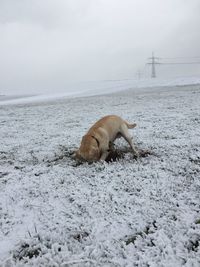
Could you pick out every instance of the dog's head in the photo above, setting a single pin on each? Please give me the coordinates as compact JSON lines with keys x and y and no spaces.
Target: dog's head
{"x":89,"y":150}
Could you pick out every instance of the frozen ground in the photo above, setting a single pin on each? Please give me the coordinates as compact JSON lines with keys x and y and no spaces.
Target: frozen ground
{"x":92,"y":88}
{"x":55,"y":212}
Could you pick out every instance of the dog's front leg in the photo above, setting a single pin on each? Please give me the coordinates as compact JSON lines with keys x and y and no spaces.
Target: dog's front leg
{"x":111,"y":146}
{"x":104,"y":155}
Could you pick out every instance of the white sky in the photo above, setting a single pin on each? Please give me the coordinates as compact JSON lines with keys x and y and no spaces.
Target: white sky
{"x":45,"y":44}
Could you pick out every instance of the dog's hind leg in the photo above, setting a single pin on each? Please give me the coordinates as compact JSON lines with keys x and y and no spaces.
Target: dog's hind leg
{"x":124,"y":132}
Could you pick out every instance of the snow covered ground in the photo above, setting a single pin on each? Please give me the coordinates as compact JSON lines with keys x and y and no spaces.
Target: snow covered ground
{"x":92,"y":88}
{"x":55,"y":212}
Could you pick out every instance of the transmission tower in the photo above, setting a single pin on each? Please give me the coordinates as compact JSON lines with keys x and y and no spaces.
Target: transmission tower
{"x":139,"y":74}
{"x":153,"y":62}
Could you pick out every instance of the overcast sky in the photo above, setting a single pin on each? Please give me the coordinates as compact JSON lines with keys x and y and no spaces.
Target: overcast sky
{"x":45,"y":44}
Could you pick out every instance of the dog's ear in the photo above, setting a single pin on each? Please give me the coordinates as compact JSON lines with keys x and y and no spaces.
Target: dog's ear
{"x":98,"y":153}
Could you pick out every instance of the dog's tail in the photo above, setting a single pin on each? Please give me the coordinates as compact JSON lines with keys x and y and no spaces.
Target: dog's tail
{"x":130,"y":126}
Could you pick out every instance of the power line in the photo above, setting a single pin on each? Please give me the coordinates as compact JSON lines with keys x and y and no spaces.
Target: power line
{"x":154,"y":61}
{"x":171,"y":58}
{"x":179,"y":63}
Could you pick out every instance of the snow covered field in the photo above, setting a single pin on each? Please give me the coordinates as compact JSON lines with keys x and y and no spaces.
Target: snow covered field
{"x":55,"y":212}
{"x":91,"y":88}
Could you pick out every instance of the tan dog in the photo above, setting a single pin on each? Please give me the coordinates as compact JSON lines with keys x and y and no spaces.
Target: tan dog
{"x":95,"y":145}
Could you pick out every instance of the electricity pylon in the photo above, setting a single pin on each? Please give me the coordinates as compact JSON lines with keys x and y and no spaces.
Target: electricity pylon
{"x":139,"y":74}
{"x":153,"y":62}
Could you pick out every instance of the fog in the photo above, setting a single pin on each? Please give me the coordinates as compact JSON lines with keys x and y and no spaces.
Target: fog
{"x":46,"y":45}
